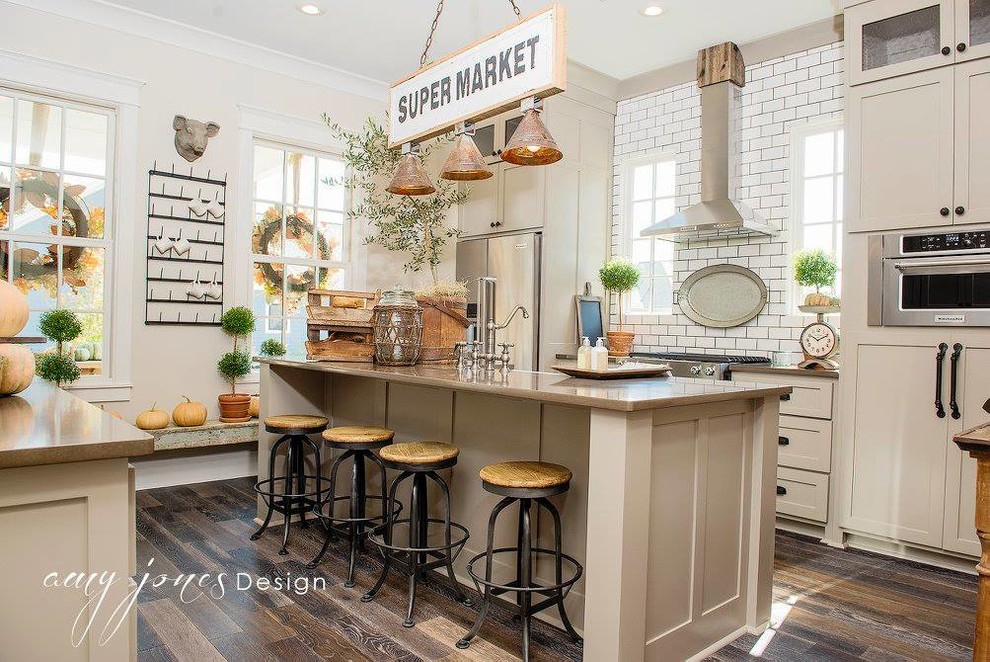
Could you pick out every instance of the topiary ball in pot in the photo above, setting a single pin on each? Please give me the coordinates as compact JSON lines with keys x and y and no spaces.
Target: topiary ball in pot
{"x":619,"y":276}
{"x":272,"y":347}
{"x":238,"y":323}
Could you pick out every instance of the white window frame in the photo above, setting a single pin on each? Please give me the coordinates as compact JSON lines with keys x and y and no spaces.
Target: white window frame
{"x":798,"y":136}
{"x":626,"y":168}
{"x":259,"y":125}
{"x":70,"y":83}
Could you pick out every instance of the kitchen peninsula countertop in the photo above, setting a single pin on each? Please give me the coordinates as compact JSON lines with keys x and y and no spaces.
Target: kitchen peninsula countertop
{"x":46,"y":425}
{"x":618,"y":395}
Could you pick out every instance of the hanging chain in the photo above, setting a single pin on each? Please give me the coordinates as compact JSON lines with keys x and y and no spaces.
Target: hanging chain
{"x":436,"y":22}
{"x":429,"y":40}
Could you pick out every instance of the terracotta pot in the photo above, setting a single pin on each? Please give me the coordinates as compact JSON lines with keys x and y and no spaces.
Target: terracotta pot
{"x":234,"y":407}
{"x":620,"y":342}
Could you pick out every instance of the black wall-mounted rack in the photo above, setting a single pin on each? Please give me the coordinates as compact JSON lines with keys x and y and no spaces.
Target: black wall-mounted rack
{"x":168,"y":274}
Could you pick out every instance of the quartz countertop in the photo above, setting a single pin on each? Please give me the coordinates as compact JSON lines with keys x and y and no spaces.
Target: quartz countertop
{"x":46,"y":425}
{"x":619,"y":394}
{"x":767,"y":369}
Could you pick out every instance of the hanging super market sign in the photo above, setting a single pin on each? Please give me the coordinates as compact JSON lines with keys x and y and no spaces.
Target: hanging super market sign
{"x":489,"y":77}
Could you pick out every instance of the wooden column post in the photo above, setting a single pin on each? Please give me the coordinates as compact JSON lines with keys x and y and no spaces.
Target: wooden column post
{"x":977,"y":443}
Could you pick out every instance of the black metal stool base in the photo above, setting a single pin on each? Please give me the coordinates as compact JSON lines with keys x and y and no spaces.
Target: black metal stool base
{"x":418,"y":557}
{"x":523,"y":586}
{"x":294,"y":498}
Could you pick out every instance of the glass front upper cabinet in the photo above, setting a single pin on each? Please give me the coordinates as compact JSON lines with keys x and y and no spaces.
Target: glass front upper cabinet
{"x":893,"y":37}
{"x":972,"y":29}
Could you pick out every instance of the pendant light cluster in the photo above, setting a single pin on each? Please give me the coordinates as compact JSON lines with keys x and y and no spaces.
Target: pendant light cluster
{"x":530,"y":145}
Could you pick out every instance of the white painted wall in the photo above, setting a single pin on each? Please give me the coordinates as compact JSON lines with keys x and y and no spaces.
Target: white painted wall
{"x":779,"y":94}
{"x":171,"y":361}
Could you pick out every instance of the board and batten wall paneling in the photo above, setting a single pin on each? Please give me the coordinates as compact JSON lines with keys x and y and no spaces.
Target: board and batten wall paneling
{"x":780,"y":93}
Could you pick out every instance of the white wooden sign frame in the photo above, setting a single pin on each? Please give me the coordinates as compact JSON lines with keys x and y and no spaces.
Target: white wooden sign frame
{"x":486,"y":78}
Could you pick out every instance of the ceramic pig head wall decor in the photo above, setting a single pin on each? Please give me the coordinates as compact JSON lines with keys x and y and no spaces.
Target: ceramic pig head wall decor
{"x":191,"y":136}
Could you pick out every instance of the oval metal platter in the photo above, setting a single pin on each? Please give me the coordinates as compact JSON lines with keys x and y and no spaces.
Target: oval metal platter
{"x":722,"y":295}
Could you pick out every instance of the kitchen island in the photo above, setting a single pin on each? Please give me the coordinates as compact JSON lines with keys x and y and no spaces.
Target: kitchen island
{"x":66,"y":506}
{"x":671,"y":508}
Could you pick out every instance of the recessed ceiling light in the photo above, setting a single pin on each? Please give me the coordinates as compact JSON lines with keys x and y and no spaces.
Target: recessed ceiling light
{"x":310,"y":9}
{"x":651,"y":10}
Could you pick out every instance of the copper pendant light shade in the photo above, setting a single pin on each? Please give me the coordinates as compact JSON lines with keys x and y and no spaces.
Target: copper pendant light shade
{"x":531,"y":144}
{"x":411,"y":178}
{"x":465,"y":163}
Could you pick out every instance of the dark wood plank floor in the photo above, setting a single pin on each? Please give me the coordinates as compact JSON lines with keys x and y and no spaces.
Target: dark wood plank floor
{"x":829,"y":604}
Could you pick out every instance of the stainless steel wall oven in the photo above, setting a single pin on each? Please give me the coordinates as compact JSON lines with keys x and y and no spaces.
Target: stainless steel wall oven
{"x":937,"y":279}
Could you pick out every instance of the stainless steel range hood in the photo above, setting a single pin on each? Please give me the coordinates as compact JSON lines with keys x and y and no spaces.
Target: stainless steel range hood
{"x":718,"y":214}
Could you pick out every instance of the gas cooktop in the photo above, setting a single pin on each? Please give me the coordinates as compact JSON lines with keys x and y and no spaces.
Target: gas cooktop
{"x":715,"y":366}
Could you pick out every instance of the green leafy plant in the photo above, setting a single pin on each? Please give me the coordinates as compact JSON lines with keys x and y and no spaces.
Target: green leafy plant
{"x":619,"y":276}
{"x":62,"y":326}
{"x":815,"y":268}
{"x":416,"y":225}
{"x":238,"y":323}
{"x":272,"y":347}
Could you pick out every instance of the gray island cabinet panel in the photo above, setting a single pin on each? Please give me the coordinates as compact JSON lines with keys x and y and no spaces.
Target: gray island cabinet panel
{"x":670,"y":510}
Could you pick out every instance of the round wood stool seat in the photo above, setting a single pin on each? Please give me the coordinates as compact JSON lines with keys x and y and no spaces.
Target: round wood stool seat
{"x":525,"y":479}
{"x":420,"y":455}
{"x":358,"y":437}
{"x":296,"y":424}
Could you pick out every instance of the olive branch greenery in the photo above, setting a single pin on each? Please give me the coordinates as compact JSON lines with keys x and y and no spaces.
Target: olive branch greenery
{"x":415,"y":225}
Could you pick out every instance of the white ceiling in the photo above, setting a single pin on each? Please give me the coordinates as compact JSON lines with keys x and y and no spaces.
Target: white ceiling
{"x":383,"y":39}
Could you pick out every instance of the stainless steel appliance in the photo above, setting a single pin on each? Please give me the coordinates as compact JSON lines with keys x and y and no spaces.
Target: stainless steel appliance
{"x":713,"y":366}
{"x":930,"y":279}
{"x":514,"y":261}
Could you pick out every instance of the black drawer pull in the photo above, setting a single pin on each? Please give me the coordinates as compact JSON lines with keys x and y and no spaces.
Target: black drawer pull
{"x":946,"y":50}
{"x":783,"y":441}
{"x":786,"y":397}
{"x":945,"y":211}
{"x":781,"y":490}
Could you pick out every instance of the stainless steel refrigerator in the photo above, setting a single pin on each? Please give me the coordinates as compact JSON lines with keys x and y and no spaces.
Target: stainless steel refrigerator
{"x":514,"y":261}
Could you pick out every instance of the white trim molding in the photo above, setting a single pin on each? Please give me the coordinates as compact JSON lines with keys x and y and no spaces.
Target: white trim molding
{"x":48,"y":76}
{"x":148,"y":26}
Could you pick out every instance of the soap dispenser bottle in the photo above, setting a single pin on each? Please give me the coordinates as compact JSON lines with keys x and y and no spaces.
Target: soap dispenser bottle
{"x":584,"y":353}
{"x":599,"y":356}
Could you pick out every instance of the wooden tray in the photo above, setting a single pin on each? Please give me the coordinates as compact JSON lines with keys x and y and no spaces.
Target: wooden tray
{"x":627,"y":371}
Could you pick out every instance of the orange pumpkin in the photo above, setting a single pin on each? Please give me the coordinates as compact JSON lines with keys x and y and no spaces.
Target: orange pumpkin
{"x":254,"y":409}
{"x":152,"y":419}
{"x":17,"y":370}
{"x":13,"y":310}
{"x":189,"y":413}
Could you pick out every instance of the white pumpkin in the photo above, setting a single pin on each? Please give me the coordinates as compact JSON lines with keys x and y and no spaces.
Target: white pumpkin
{"x":13,"y":310}
{"x":18,"y":369}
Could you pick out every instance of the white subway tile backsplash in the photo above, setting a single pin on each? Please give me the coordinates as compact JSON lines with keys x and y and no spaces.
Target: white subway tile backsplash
{"x":781,"y":93}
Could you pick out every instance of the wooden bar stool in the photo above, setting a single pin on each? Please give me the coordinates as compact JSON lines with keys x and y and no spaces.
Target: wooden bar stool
{"x":357,"y":442}
{"x":419,"y":460}
{"x":525,"y":482}
{"x":295,"y":496}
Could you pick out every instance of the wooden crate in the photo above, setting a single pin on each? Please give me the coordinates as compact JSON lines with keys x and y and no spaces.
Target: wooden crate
{"x":338,"y":326}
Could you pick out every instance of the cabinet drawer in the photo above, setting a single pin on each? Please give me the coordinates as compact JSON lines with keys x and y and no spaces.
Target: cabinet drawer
{"x":814,"y":400}
{"x":805,"y":443}
{"x":802,"y":494}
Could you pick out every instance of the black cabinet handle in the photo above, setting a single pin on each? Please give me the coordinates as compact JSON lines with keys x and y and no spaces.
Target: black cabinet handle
{"x":960,"y":210}
{"x":785,"y":397}
{"x":945,"y":211}
{"x":946,"y":50}
{"x":492,"y":224}
{"x":781,"y":490}
{"x":939,"y":358}
{"x":498,"y":224}
{"x":953,"y":371}
{"x":961,"y":47}
{"x":783,"y":441}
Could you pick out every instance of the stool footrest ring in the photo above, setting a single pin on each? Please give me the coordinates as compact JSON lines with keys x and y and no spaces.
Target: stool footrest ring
{"x":564,"y":587}
{"x":266,"y":488}
{"x":453,"y":549}
{"x":340,"y":521}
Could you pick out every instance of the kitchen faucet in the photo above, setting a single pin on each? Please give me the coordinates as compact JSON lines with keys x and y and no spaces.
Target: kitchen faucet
{"x":482,"y":351}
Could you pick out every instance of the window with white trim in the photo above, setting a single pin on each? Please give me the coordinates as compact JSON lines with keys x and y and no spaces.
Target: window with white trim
{"x":56,"y":218}
{"x":298,"y":237}
{"x":816,"y":177}
{"x":650,"y":191}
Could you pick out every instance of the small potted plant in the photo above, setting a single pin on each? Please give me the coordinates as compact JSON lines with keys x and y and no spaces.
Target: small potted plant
{"x":59,"y":366}
{"x":619,"y":276}
{"x":817,"y":269}
{"x":273,"y":348}
{"x":238,"y":323}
